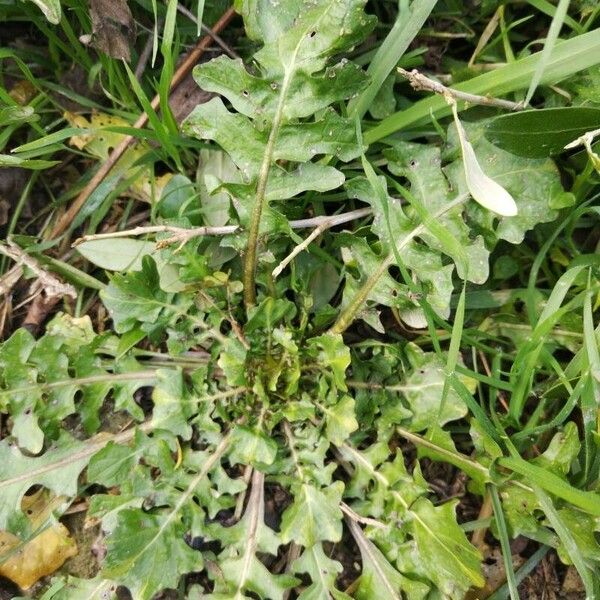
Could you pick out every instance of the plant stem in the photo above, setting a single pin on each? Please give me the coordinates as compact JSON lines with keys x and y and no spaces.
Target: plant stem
{"x":259,"y":201}
{"x":349,"y":314}
{"x":54,"y":287}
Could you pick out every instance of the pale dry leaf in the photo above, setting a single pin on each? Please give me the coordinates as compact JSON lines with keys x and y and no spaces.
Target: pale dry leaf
{"x":484,"y":190}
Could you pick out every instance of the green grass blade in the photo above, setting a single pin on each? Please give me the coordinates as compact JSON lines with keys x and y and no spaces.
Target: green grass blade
{"x":549,"y":9}
{"x":504,"y":542}
{"x":167,"y":49}
{"x":200,"y":15}
{"x":525,"y":362}
{"x":50,"y":139}
{"x":153,"y":118}
{"x":555,"y":27}
{"x":390,"y":52}
{"x":591,"y":391}
{"x":588,"y":501}
{"x":453,"y":354}
{"x":568,"y":541}
{"x":567,"y":57}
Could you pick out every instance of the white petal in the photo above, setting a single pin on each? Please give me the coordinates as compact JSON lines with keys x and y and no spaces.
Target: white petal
{"x":484,"y":189}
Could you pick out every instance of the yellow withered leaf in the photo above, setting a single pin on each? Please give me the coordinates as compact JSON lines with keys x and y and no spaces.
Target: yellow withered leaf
{"x":100,"y":142}
{"x":42,"y":555}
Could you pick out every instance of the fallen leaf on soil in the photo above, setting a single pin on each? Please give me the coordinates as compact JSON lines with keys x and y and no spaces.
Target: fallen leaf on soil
{"x":185,"y":97}
{"x":38,"y":311}
{"x":42,"y":555}
{"x":113,"y":28}
{"x":100,"y":142}
{"x":23,"y":92}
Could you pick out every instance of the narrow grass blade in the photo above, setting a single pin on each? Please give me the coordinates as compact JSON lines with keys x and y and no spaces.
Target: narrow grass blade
{"x":568,"y":541}
{"x":555,"y":27}
{"x":567,"y":57}
{"x":549,"y":9}
{"x":200,"y":15}
{"x":153,"y":118}
{"x":524,"y":365}
{"x":390,"y":52}
{"x":453,"y":354}
{"x":50,"y":139}
{"x":591,"y":391}
{"x":504,"y":542}
{"x":168,"y":49}
{"x":587,"y":501}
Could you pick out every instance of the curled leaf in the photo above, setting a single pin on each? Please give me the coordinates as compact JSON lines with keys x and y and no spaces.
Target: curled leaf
{"x":484,"y":189}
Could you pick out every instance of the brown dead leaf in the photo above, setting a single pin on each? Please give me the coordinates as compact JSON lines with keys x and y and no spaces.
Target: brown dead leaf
{"x":572,"y":583}
{"x":495,"y":574}
{"x":4,"y":211}
{"x":42,"y":555}
{"x":23,"y":92}
{"x":185,"y":97}
{"x":39,"y":309}
{"x":12,"y":182}
{"x":113,"y":28}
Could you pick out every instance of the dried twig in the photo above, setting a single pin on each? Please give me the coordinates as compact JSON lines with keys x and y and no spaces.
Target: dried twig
{"x":54,"y":289}
{"x":53,"y":286}
{"x":182,"y":235}
{"x":485,"y":512}
{"x":359,"y":518}
{"x":208,"y":31}
{"x":585,"y":140}
{"x":290,"y":557}
{"x":486,"y":35}
{"x":421,"y":82}
{"x":9,"y":279}
{"x":324,"y":225}
{"x":183,"y":69}
{"x":239,"y":506}
{"x":144,"y":57}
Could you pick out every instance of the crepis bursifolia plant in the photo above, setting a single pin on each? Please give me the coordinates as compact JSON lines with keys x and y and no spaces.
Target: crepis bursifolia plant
{"x":276,"y":446}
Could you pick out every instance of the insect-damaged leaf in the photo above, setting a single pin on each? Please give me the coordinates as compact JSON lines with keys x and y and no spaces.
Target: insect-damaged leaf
{"x":57,"y":469}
